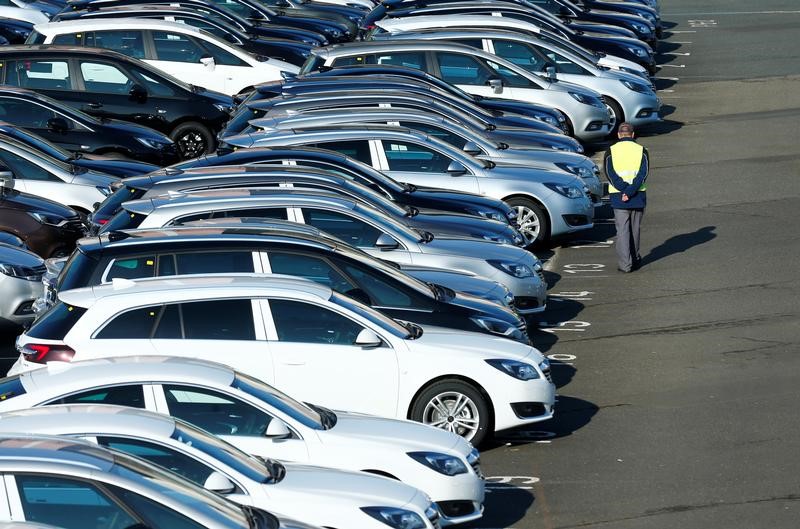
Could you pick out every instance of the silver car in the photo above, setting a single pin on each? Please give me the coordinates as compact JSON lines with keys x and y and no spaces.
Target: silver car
{"x":356,"y":224}
{"x":20,"y":283}
{"x":75,"y":484}
{"x":629,"y":97}
{"x":548,"y":203}
{"x":459,"y":136}
{"x":480,"y":73}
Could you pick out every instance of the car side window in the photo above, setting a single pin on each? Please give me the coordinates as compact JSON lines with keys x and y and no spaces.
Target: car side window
{"x":311,"y":267}
{"x":152,"y":513}
{"x":222,"y":56}
{"x":565,"y":65}
{"x":511,"y":78}
{"x":457,"y":68}
{"x":215,"y":262}
{"x":409,"y":59}
{"x":412,"y":157}
{"x":126,"y":42}
{"x":300,"y":322}
{"x":47,"y":498}
{"x":215,"y":412}
{"x":520,"y":54}
{"x":358,"y":149}
{"x":24,"y":113}
{"x":67,"y":39}
{"x":135,"y":324}
{"x":350,"y":229}
{"x":131,"y":396}
{"x":278,"y":213}
{"x":163,"y":456}
{"x":349,"y":61}
{"x":472,"y":43}
{"x":131,"y":268}
{"x":105,"y":78}
{"x":154,"y":86}
{"x":26,"y":169}
{"x":383,"y":293}
{"x":438,"y":132}
{"x":176,"y":47}
{"x":223,"y":319}
{"x":39,"y":74}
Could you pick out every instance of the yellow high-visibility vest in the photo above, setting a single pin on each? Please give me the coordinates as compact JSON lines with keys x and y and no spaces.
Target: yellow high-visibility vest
{"x":626,"y":159}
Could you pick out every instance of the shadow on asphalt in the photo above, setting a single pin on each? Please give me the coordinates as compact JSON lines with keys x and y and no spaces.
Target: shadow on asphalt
{"x":679,"y":244}
{"x":571,"y":414}
{"x":505,"y":505}
{"x":665,"y":47}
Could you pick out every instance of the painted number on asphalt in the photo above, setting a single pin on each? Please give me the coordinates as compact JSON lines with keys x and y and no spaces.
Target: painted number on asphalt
{"x":561,"y":359}
{"x":702,"y":23}
{"x":572,"y":325}
{"x":583,"y":268}
{"x":583,"y":295}
{"x":495,"y":483}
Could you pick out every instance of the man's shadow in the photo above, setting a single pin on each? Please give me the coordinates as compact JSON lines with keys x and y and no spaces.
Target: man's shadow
{"x":680,"y":243}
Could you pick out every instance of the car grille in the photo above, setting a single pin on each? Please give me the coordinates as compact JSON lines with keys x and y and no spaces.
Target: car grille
{"x":476,"y":466}
{"x":456,"y":508}
{"x":548,"y":375}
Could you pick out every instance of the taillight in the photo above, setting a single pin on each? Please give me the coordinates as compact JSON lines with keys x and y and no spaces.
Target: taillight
{"x":101,"y":221}
{"x":41,"y":353}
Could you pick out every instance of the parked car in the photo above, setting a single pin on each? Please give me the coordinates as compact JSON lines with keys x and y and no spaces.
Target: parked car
{"x":38,"y":174}
{"x":47,"y":228}
{"x":186,"y":52}
{"x":15,"y":31}
{"x":20,"y":283}
{"x":54,"y":476}
{"x":250,"y":248}
{"x":13,"y":11}
{"x":403,"y":193}
{"x":358,"y":225}
{"x":346,"y":499}
{"x":451,"y":473}
{"x":467,"y":383}
{"x":70,"y":128}
{"x":109,"y":85}
{"x":477,"y":72}
{"x":78,"y":162}
{"x":650,"y":13}
{"x":548,"y":203}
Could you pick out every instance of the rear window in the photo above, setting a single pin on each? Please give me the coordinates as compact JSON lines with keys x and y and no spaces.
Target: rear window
{"x":312,"y":64}
{"x":56,"y":322}
{"x":112,"y":204}
{"x":35,"y":38}
{"x":124,"y":220}
{"x":77,"y":271}
{"x":10,"y":387}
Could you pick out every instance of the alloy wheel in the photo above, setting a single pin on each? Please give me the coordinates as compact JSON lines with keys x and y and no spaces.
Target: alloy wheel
{"x":191,"y":145}
{"x":453,"y":411}
{"x":529,"y":224}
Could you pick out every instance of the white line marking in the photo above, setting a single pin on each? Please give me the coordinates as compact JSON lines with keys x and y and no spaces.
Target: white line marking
{"x":668,"y":78}
{"x":672,"y":66}
{"x":684,"y":31}
{"x":676,"y":53}
{"x":784,"y":12}
{"x":666,"y":91}
{"x":680,"y":42}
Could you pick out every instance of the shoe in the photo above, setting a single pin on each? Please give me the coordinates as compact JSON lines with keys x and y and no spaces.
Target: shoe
{"x":637,"y":264}
{"x":624,"y":271}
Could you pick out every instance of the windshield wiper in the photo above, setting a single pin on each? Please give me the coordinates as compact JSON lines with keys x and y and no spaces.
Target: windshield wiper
{"x":426,"y":235}
{"x":409,"y":188}
{"x":411,"y":211}
{"x":327,"y":416}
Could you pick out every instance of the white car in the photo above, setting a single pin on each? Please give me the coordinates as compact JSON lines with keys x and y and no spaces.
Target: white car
{"x":188,"y":53}
{"x":19,"y":10}
{"x":224,"y":402}
{"x":307,"y":340}
{"x":354,"y":500}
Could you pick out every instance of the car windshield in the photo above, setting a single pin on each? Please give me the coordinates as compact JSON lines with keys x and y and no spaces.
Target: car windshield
{"x":386,"y":268}
{"x":40,"y":143}
{"x":36,"y":153}
{"x":384,"y":221}
{"x":222,"y":451}
{"x":384,"y":322}
{"x":266,"y":393}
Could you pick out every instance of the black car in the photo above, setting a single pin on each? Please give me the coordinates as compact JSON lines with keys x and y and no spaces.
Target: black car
{"x":92,"y":162}
{"x":405,"y":194}
{"x":112,"y":86}
{"x":77,"y":131}
{"x":14,"y":31}
{"x":292,"y":51}
{"x":633,"y":8}
{"x":336,"y":28}
{"x":226,"y":249}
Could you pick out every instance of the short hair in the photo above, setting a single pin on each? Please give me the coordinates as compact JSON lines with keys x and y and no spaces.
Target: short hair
{"x":625,"y":128}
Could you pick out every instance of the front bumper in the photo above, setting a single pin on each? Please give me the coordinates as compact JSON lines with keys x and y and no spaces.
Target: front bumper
{"x":524,"y":402}
{"x":644,"y":110}
{"x":17,"y":297}
{"x":594,"y":125}
{"x":530,"y":293}
{"x":569,"y":215}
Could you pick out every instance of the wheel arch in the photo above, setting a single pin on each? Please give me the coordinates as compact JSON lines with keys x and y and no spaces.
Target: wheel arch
{"x":460,"y":378}
{"x":535,"y":200}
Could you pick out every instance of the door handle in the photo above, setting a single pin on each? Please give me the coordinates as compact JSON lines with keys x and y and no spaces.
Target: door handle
{"x":294,"y":362}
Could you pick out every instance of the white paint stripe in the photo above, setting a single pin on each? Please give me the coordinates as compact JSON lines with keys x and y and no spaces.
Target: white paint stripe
{"x":672,"y":66}
{"x":676,"y":53}
{"x":683,"y":31}
{"x":668,"y":78}
{"x":668,"y":90}
{"x":680,"y":42}
{"x":776,"y":12}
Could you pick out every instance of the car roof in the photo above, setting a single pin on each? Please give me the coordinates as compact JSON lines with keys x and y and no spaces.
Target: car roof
{"x":370,"y":46}
{"x":453,"y":20}
{"x":57,"y":49}
{"x":87,"y":418}
{"x":89,"y":24}
{"x":244,"y":170}
{"x":198,"y":287}
{"x":54,"y":451}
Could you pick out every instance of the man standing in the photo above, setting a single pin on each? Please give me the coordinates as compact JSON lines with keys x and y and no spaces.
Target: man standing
{"x":626,"y":164}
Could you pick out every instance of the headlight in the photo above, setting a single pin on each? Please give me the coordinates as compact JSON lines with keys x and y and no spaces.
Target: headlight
{"x":650,"y":18}
{"x":333,"y":32}
{"x":502,"y":328}
{"x":514,"y":269}
{"x":441,"y":463}
{"x":501,"y":239}
{"x":544,"y":365}
{"x":44,"y":218}
{"x":639,"y":52}
{"x":396,"y":518}
{"x":152,"y":143}
{"x":21,"y":272}
{"x":578,"y":170}
{"x":587,"y":100}
{"x":537,"y":266}
{"x":518,"y":370}
{"x":223,"y":108}
{"x":636,"y":87}
{"x":640,"y":28}
{"x":488,"y":214}
{"x":640,"y":73}
{"x":105,"y":190}
{"x":550,"y":120}
{"x":565,"y":190}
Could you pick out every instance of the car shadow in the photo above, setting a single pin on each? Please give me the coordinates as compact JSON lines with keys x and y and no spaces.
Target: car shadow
{"x":562,"y":372}
{"x":665,"y":47}
{"x":542,"y":340}
{"x":506,"y":502}
{"x":571,"y":414}
{"x":663,"y":83}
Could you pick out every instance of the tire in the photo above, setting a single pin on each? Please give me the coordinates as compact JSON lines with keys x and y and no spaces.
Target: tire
{"x":533,"y":222}
{"x":435,"y":403}
{"x":619,"y":115}
{"x":192,"y":140}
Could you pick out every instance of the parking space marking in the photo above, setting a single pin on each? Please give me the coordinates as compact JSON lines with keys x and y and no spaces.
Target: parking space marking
{"x":583,"y":243}
{"x":577,"y":268}
{"x":686,"y":54}
{"x":684,"y":31}
{"x":569,"y":325}
{"x":672,"y":66}
{"x":494,"y":483}
{"x":666,"y":91}
{"x":702,"y":23}
{"x":582,"y":295}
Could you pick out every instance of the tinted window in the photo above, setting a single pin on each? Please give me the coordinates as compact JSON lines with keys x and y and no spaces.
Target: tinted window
{"x":563,"y":64}
{"x":132,"y":324}
{"x":409,"y":59}
{"x":46,"y":500}
{"x":127,"y":42}
{"x":358,"y":149}
{"x":215,"y":412}
{"x":215,"y":262}
{"x":123,"y":220}
{"x":162,"y":456}
{"x":382,"y":292}
{"x":24,"y":113}
{"x":456,"y":68}
{"x":154,"y":514}
{"x":56,"y":322}
{"x":314,"y":268}
{"x":269,"y":213}
{"x":343,"y":61}
{"x":229,"y":319}
{"x":511,"y":78}
{"x":112,"y":204}
{"x":25,"y":169}
{"x":10,"y":387}
{"x":35,"y":38}
{"x":39,"y":75}
{"x":67,"y":39}
{"x":155,"y":86}
{"x":131,"y":396}
{"x":472,"y":43}
{"x":169,"y":325}
{"x":104,"y":78}
{"x":345,"y":227}
{"x":305,"y":323}
{"x":132,"y":268}
{"x":437,"y":132}
{"x":222,"y":56}
{"x":176,"y":47}
{"x":520,"y":54}
{"x":404,"y":156}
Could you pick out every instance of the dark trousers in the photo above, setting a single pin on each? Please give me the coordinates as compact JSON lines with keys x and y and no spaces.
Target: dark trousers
{"x":628,"y":223}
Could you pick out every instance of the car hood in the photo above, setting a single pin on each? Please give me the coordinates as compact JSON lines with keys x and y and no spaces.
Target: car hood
{"x":477,"y":345}
{"x":541,"y":159}
{"x":26,"y":202}
{"x":110,"y":166}
{"x":478,"y":248}
{"x":486,"y":308}
{"x":134,"y":129}
{"x":520,"y":172}
{"x":462,"y":225}
{"x":94,"y":178}
{"x":462,"y":282}
{"x":434,"y":194}
{"x":11,"y":255}
{"x":318,"y":483}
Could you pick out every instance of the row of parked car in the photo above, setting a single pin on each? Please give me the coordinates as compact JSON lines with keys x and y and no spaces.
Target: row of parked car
{"x":222,"y":220}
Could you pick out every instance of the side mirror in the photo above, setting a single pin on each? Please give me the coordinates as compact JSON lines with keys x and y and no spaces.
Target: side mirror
{"x":456,"y":168}
{"x":277,"y":429}
{"x":386,"y":242}
{"x":367,"y":338}
{"x":471,"y":148}
{"x":496,"y":85}
{"x":138,"y":93}
{"x":57,"y":124}
{"x":218,"y":482}
{"x":208,"y":62}
{"x":551,"y":73}
{"x":6,"y":180}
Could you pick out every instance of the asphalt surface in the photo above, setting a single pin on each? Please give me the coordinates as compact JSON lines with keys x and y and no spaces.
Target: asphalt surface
{"x":678,"y":383}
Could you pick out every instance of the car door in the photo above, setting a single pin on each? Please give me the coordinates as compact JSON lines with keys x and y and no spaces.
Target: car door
{"x":316,"y":360}
{"x":231,"y":418}
{"x":464,"y":71}
{"x":179,"y":55}
{"x":31,"y":177}
{"x":234,"y":71}
{"x":110,"y":92}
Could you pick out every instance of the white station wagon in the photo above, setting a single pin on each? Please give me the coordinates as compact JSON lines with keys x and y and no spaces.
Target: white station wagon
{"x":185,"y":52}
{"x":308,"y":341}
